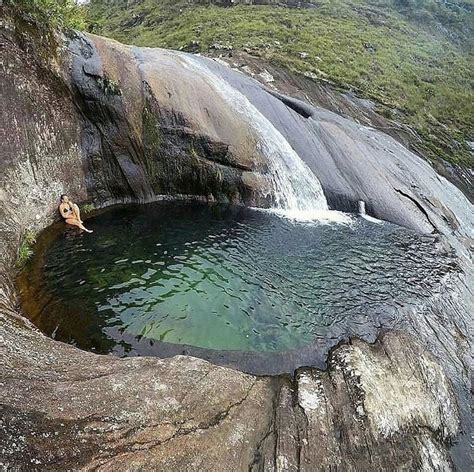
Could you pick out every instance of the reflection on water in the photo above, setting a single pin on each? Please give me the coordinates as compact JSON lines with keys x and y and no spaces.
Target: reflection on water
{"x":223,"y":278}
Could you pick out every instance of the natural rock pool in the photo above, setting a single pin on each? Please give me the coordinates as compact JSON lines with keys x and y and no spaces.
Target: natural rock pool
{"x":155,"y":277}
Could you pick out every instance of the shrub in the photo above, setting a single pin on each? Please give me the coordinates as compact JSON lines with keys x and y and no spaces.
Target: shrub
{"x":24,"y":249}
{"x":88,"y":208}
{"x":52,"y":13}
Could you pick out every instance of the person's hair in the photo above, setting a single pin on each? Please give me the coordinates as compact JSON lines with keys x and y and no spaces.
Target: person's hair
{"x":63,"y":195}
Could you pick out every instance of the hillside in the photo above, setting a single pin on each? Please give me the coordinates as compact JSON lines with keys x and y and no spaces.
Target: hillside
{"x":413,"y":59}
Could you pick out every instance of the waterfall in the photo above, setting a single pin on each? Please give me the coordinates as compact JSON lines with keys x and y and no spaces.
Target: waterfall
{"x":363,"y":213}
{"x":296,"y":190}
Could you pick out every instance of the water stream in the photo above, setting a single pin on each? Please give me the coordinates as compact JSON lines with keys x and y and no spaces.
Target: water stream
{"x":296,"y":190}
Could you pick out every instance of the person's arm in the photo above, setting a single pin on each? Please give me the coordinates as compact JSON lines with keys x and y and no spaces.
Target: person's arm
{"x":65,"y":211}
{"x":75,"y":210}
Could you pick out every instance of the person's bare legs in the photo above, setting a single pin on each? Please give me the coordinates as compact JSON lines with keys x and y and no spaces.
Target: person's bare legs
{"x":74,"y":222}
{"x":77,"y":213}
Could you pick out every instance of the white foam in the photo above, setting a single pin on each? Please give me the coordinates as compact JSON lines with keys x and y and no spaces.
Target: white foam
{"x":311,"y":216}
{"x":372,"y":219}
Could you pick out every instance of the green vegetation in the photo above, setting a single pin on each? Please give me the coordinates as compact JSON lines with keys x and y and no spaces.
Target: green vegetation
{"x":109,"y":86}
{"x":24,"y":249}
{"x":88,"y":208}
{"x":192,"y":151}
{"x":414,"y":57}
{"x":51,"y":13}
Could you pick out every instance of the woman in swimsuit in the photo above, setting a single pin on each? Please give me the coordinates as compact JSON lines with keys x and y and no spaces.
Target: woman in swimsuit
{"x":70,"y":212}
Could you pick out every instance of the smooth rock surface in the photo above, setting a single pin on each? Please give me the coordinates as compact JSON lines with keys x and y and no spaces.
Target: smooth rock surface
{"x":347,"y":104}
{"x":374,"y":408}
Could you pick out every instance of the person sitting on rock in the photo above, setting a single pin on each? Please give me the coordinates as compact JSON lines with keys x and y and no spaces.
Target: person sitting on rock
{"x":70,"y":212}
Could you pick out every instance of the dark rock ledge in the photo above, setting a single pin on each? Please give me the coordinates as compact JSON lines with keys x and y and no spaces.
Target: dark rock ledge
{"x":93,"y":118}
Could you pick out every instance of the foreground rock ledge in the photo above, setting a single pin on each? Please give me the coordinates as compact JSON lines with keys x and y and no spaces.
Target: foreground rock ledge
{"x":376,"y":407}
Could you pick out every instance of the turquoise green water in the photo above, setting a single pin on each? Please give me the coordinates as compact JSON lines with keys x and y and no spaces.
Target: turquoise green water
{"x":222,"y":278}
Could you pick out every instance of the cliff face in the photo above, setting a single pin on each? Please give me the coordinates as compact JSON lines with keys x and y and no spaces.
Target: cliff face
{"x":151,"y":129}
{"x":107,"y":122}
{"x":42,"y":142}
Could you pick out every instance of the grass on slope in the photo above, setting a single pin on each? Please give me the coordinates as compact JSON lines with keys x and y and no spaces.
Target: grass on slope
{"x":51,"y":13}
{"x":424,"y":77}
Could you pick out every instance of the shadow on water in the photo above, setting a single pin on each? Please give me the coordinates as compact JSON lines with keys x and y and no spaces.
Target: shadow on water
{"x":235,"y":286}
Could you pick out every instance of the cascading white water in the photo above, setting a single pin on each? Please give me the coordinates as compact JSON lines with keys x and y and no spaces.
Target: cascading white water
{"x":297,"y":191}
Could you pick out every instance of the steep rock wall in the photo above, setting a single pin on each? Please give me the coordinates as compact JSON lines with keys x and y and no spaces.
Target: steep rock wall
{"x":159,"y":135}
{"x":344,"y":103}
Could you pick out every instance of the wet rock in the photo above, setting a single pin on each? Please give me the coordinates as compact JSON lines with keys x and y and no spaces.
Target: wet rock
{"x":373,"y":408}
{"x":256,"y":182}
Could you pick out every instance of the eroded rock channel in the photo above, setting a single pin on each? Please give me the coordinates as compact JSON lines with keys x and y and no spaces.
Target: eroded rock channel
{"x":110,"y":123}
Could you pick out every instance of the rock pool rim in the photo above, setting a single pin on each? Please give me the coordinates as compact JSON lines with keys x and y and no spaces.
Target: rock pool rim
{"x":254,"y":362}
{"x":269,"y":363}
